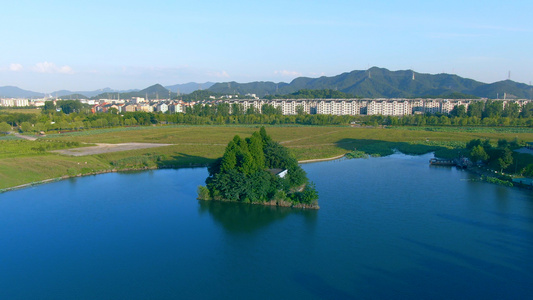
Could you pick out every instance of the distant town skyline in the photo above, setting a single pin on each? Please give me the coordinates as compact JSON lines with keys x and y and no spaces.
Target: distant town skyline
{"x":134,"y":44}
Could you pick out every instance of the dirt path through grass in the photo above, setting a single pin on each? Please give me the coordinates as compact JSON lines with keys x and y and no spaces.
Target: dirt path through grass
{"x":26,"y":137}
{"x":106,"y":148}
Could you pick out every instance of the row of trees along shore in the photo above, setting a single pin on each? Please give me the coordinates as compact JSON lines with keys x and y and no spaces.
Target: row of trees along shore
{"x":245,"y":173}
{"x":500,"y":156}
{"x":74,"y":116}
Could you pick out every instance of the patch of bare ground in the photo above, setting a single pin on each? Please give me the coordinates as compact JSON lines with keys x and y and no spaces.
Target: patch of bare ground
{"x":106,"y":148}
{"x":26,"y":137}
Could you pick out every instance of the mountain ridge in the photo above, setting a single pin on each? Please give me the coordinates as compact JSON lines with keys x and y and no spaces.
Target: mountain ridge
{"x":372,"y":83}
{"x":189,"y":87}
{"x":16,"y":92}
{"x":382,"y":83}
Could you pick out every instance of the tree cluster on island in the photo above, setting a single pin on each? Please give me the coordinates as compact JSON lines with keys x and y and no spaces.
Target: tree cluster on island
{"x":246,"y":173}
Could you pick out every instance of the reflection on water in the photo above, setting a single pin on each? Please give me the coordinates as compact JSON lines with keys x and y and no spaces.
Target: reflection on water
{"x":246,"y":218}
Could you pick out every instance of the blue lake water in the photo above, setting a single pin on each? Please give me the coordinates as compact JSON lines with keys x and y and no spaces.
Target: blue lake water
{"x":390,"y":227}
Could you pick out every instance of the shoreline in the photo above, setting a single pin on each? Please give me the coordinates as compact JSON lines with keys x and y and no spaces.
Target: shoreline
{"x":473,"y":171}
{"x":320,"y":159}
{"x":44,"y":181}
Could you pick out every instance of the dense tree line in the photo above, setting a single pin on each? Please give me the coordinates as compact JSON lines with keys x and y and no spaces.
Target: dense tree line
{"x":66,"y":106}
{"x":242,"y":174}
{"x":71,"y":115}
{"x":59,"y":121}
{"x":483,"y":152}
{"x":493,"y":109}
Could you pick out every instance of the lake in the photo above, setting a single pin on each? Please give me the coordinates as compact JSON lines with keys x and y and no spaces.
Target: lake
{"x":391,"y":227}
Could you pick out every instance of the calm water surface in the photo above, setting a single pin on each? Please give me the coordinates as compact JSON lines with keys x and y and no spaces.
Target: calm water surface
{"x":390,"y":227}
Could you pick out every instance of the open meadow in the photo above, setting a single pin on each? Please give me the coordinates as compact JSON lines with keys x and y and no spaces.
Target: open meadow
{"x":23,"y":162}
{"x":8,"y":110}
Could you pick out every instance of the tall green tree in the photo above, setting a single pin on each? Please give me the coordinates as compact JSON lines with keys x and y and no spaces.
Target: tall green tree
{"x":255,"y":145}
{"x":25,"y":127}
{"x":229,"y":159}
{"x":223,"y":109}
{"x":503,"y":143}
{"x":269,"y":109}
{"x":506,"y":159}
{"x":475,"y":109}
{"x":69,"y":106}
{"x":458,"y":111}
{"x":48,"y":107}
{"x":527,"y":110}
{"x":300,"y":110}
{"x":511,"y":110}
{"x":4,"y":127}
{"x":478,"y":154}
{"x":237,"y":109}
{"x":264,"y":136}
{"x":493,"y":109}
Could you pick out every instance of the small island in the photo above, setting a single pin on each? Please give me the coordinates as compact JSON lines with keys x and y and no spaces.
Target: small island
{"x":259,"y":170}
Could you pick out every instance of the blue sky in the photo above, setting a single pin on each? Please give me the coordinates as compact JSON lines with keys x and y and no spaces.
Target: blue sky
{"x":52,"y":45}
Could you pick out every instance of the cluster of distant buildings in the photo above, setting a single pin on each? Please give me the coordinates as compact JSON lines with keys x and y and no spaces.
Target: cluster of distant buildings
{"x":103,"y":105}
{"x":385,"y":107}
{"x":141,"y":104}
{"x":20,"y":102}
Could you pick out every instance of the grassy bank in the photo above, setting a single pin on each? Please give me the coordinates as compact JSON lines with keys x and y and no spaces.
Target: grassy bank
{"x":28,"y":161}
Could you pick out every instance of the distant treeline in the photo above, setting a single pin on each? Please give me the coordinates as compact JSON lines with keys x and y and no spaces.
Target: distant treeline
{"x":488,"y":113}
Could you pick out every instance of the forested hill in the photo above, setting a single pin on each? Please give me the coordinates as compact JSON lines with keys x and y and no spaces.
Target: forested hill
{"x":382,"y":83}
{"x":152,"y":92}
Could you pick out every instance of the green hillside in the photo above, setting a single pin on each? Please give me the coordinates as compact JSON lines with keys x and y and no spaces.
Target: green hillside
{"x":382,"y":83}
{"x":152,"y":92}
{"x":510,"y":88}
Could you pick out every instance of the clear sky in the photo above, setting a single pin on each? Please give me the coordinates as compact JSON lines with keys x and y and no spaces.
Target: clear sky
{"x":87,"y":45}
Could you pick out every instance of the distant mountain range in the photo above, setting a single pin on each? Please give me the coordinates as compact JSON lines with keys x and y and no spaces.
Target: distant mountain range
{"x":15,"y":92}
{"x":372,"y":83}
{"x":152,"y":92}
{"x":382,"y":83}
{"x":186,"y":88}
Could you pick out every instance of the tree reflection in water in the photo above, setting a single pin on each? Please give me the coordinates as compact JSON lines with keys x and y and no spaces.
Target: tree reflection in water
{"x":246,"y":218}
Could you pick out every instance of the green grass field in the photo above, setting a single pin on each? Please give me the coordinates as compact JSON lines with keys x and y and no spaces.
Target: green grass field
{"x":21,"y":110}
{"x":25,"y":161}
